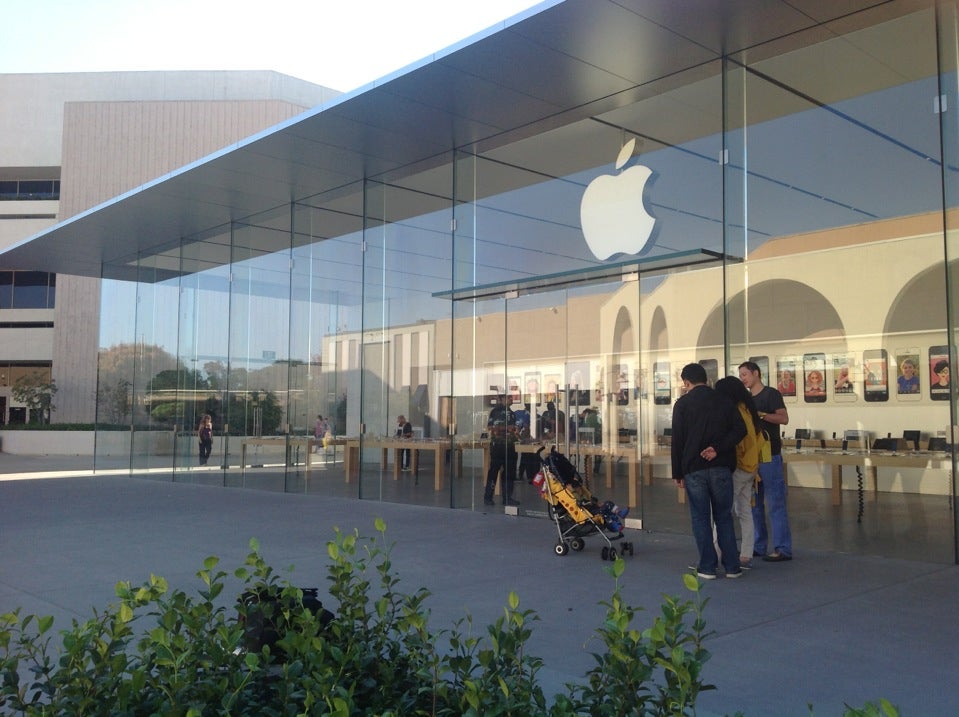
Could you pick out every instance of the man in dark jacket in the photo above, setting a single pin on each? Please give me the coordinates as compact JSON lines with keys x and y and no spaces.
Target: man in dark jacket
{"x":706,"y":428}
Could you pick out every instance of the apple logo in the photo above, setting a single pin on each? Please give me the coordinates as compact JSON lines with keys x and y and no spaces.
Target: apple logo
{"x":612,"y":212}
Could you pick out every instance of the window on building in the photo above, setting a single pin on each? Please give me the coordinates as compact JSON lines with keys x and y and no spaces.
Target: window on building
{"x":28,"y":189}
{"x":31,"y":290}
{"x":6,"y":289}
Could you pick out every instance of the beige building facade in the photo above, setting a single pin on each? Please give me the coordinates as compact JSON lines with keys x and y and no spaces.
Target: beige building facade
{"x":99,"y":135}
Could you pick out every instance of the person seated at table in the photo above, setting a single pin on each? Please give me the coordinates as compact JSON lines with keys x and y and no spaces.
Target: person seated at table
{"x":554,"y":423}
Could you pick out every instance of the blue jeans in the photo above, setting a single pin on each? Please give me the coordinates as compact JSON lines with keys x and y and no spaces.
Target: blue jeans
{"x":710,"y":496}
{"x":771,"y":499}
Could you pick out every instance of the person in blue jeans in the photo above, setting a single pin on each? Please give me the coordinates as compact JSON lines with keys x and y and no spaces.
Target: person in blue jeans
{"x":707,"y":427}
{"x":771,"y":493}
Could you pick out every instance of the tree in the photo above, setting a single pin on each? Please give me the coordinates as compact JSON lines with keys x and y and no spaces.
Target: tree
{"x":115,"y":401}
{"x":36,"y":393}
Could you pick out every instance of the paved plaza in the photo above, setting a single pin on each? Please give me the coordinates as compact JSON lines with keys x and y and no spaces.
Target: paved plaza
{"x":825,"y":629}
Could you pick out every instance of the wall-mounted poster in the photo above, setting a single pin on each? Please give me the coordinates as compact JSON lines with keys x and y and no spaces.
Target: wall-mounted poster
{"x":552,"y":385}
{"x":640,"y":389}
{"x":786,"y":377}
{"x":532,"y":386}
{"x":598,"y":390}
{"x":814,"y":377}
{"x":662,"y":391}
{"x":908,"y":375}
{"x":763,"y":363}
{"x":514,"y":390}
{"x":843,"y":377}
{"x":577,"y":376}
{"x":712,"y":370}
{"x":622,"y":384}
{"x":875,"y":372}
{"x":577,"y":373}
{"x":939,"y":377}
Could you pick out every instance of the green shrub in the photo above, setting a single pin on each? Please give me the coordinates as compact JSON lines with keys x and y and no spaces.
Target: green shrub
{"x":158,"y":652}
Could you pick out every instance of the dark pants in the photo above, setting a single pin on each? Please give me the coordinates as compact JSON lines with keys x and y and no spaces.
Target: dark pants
{"x":205,"y":448}
{"x":709,"y":493}
{"x":502,"y":458}
{"x":405,"y":458}
{"x":529,"y":465}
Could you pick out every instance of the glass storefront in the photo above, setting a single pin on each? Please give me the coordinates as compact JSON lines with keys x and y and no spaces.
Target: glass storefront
{"x":791,"y":206}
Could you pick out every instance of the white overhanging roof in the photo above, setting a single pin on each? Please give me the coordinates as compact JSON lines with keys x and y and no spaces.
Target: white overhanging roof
{"x":552,"y":65}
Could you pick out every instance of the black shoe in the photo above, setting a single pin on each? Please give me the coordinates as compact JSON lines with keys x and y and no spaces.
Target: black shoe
{"x":777,"y":557}
{"x":488,"y":501}
{"x":510,"y":501}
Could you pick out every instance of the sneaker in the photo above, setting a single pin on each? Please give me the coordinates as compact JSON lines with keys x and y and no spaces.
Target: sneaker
{"x":510,"y":501}
{"x":488,"y":501}
{"x":737,"y":574}
{"x":708,"y":576}
{"x":745,"y":564}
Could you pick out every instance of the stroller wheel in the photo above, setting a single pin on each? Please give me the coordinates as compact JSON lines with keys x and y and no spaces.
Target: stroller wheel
{"x":628,"y":546}
{"x":612,"y":553}
{"x":605,"y":553}
{"x":577,"y":544}
{"x":561,"y":548}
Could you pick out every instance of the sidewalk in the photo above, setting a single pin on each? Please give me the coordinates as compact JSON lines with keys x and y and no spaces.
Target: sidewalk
{"x":825,"y":629}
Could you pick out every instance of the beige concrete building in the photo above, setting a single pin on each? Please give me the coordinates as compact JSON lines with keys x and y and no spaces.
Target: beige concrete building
{"x":69,"y":142}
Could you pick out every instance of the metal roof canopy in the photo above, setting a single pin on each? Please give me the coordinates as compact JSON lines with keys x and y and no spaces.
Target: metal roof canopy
{"x":554,"y":64}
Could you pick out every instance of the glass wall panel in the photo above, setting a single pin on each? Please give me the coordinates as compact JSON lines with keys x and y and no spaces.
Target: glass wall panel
{"x":834,"y":199}
{"x":258,"y":379}
{"x":948,"y":26}
{"x":157,"y":368}
{"x":119,"y":359}
{"x":204,"y":327}
{"x":407,"y":259}
{"x":326,"y":323}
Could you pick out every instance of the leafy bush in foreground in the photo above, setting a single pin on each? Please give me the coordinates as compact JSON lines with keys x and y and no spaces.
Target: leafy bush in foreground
{"x":159,"y":652}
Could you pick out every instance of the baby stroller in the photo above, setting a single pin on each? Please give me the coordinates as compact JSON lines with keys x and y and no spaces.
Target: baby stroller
{"x":575,"y":511}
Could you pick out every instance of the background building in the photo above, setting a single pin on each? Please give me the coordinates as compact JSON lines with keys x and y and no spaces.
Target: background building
{"x":71,"y":141}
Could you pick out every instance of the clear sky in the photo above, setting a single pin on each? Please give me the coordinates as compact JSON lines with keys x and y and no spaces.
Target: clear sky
{"x":342,"y":44}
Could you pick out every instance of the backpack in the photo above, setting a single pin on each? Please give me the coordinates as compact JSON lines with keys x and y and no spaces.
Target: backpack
{"x":765,"y":446}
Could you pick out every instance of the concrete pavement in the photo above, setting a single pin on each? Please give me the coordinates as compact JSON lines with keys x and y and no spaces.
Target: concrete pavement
{"x":825,"y":629}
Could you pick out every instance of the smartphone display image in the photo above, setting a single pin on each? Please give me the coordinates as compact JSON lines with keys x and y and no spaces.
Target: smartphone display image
{"x":786,"y":377}
{"x":662,"y":394}
{"x":908,"y":375}
{"x":712,"y":370}
{"x":875,"y":372}
{"x":843,"y":377}
{"x":763,"y":363}
{"x":814,"y":377}
{"x":939,"y":379}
